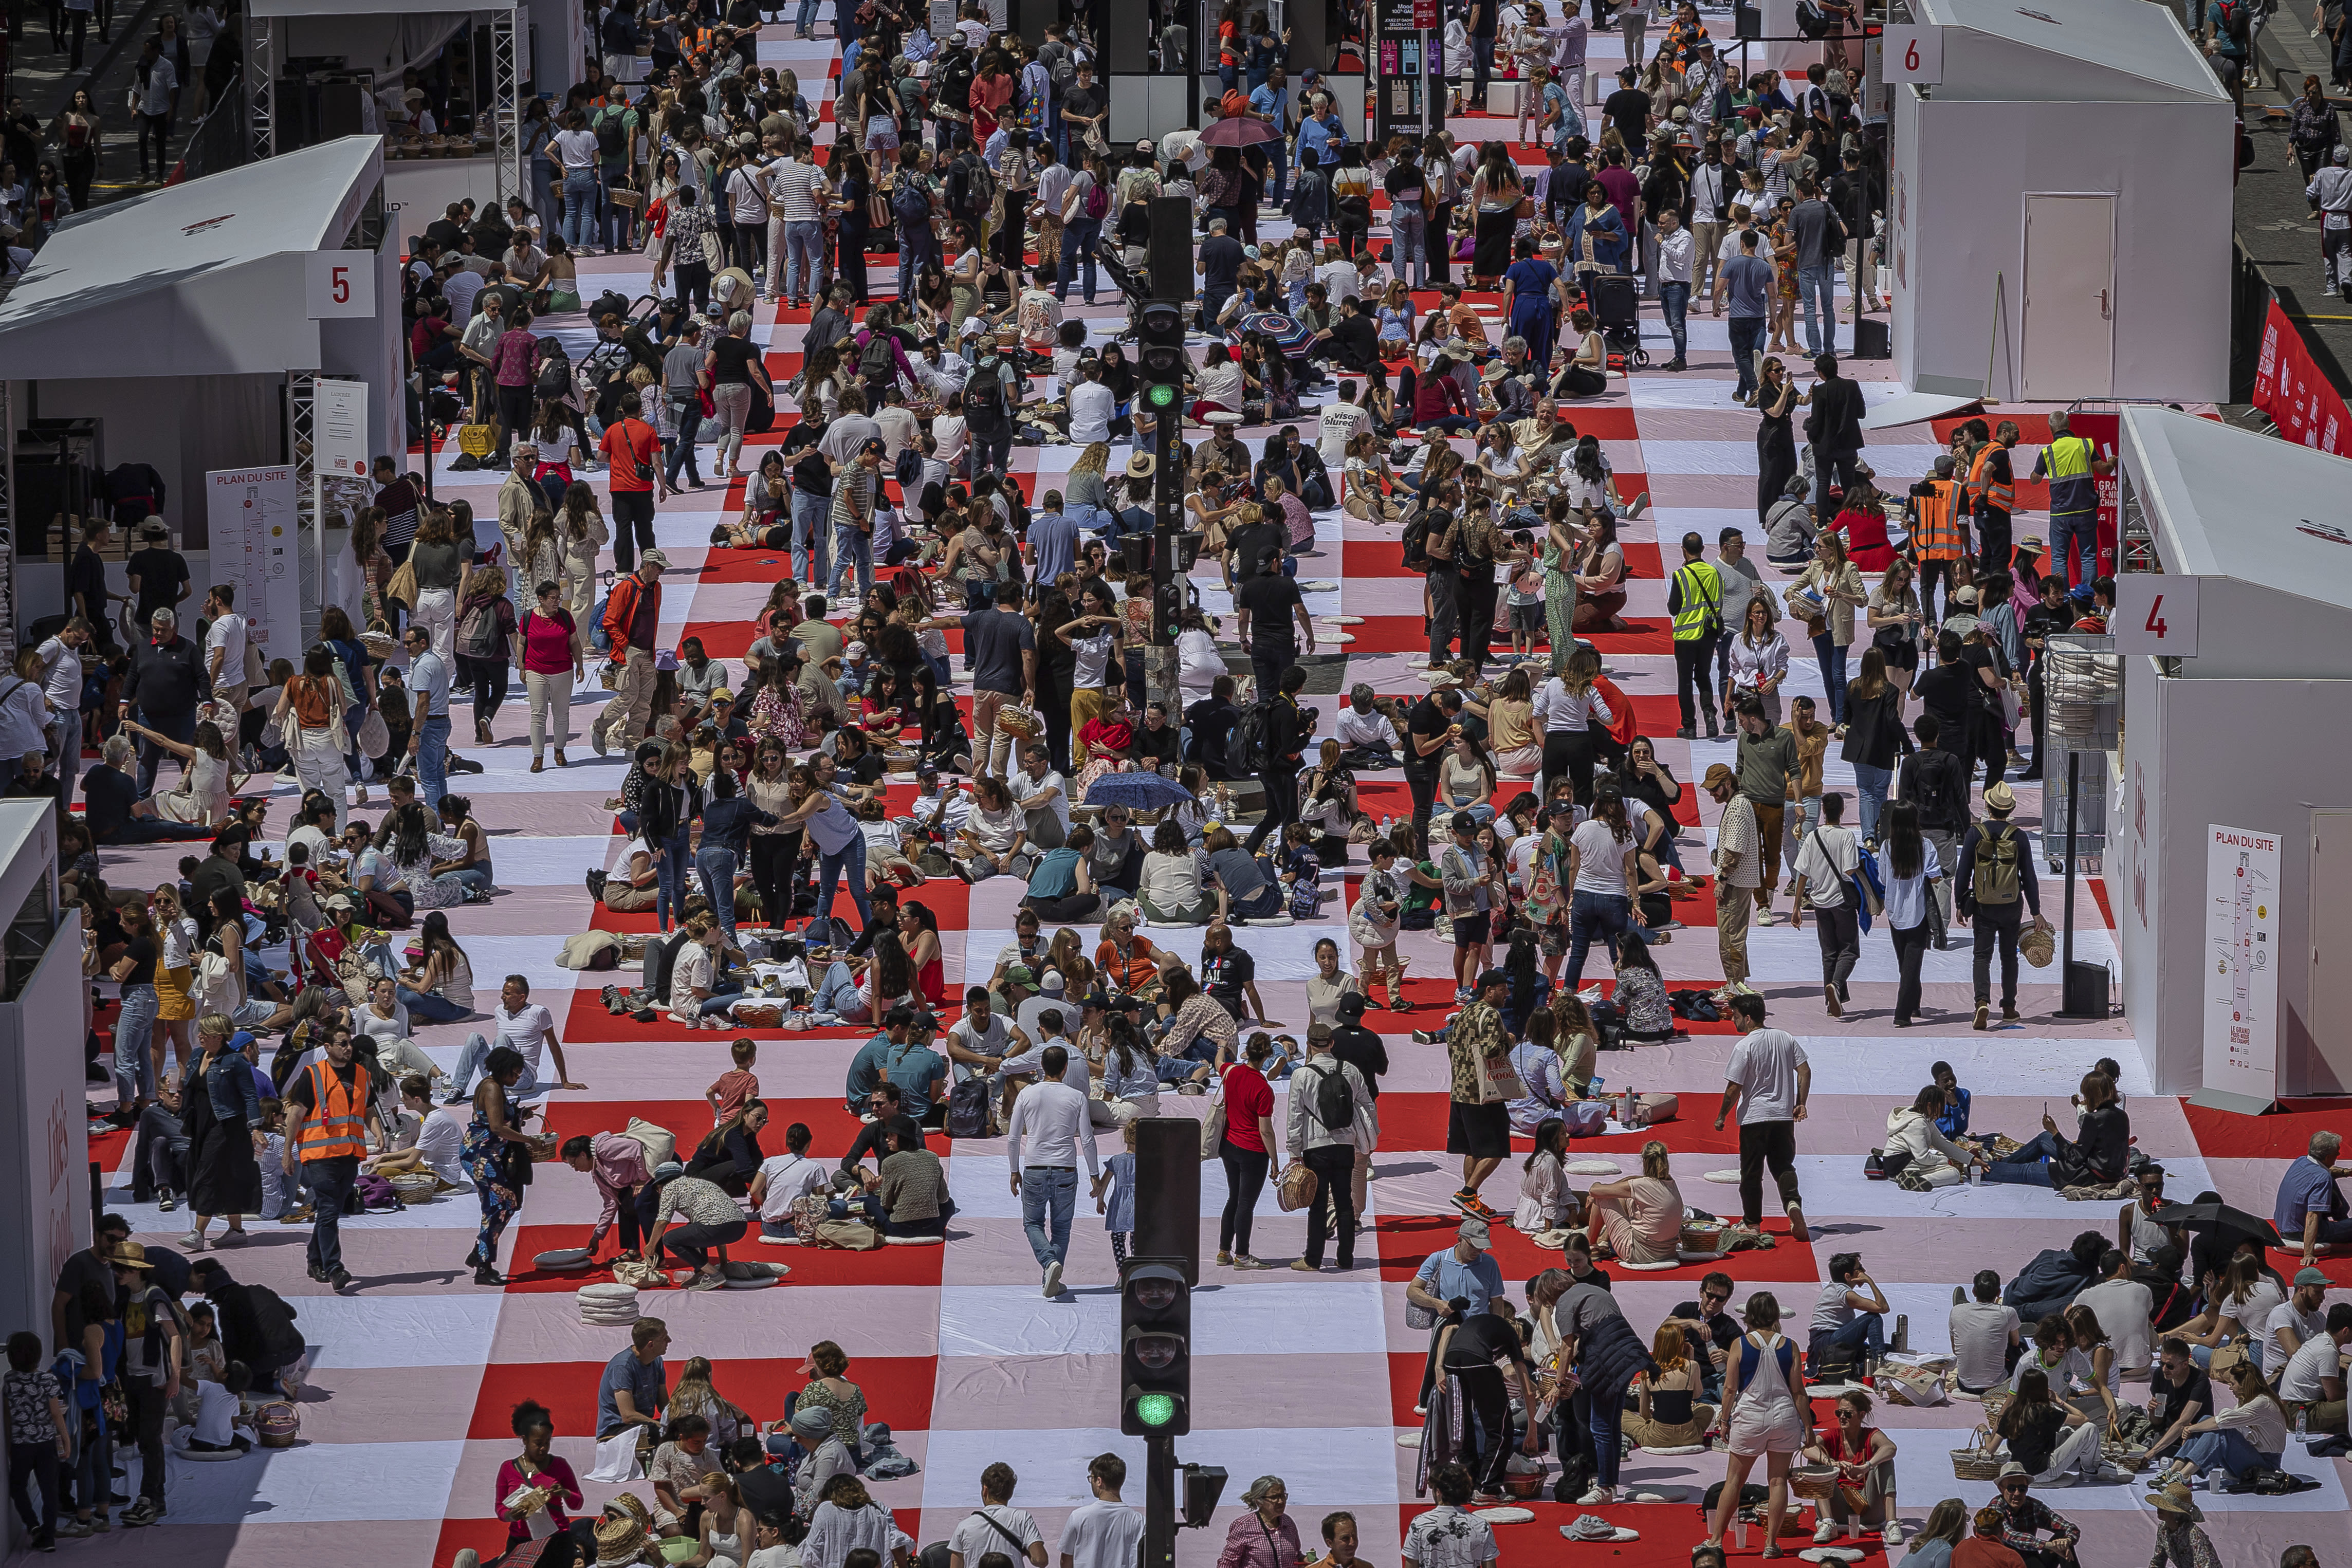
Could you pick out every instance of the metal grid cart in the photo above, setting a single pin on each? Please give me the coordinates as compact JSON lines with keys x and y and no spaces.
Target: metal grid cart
{"x":2082,"y":714}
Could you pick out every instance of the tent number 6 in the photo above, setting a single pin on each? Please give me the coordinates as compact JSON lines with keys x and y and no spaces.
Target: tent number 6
{"x":2155,"y":616}
{"x":1911,"y":56}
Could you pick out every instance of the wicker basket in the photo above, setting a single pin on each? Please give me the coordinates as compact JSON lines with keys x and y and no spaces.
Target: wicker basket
{"x":1703,"y":1236}
{"x":1524,"y":1486}
{"x":1814,"y":1481}
{"x":1013,"y":719}
{"x":1974,"y":1465}
{"x":1995,"y":1402}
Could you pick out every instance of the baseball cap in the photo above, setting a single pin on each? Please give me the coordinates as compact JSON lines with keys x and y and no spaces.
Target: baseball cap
{"x":1493,"y":978}
{"x":656,"y":559}
{"x":1351,"y":1008}
{"x":1020,"y":975}
{"x":1475,"y":1232}
{"x":2311,"y":1277}
{"x":1051,"y":980}
{"x":875,"y":446}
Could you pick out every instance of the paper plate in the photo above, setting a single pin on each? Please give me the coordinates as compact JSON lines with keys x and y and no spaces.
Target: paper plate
{"x":1503,"y":1515}
{"x":1725,"y":1179}
{"x":1593,"y":1168}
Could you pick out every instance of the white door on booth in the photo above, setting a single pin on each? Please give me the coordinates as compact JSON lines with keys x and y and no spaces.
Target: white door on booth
{"x":2069,"y":344}
{"x":2331,"y":951}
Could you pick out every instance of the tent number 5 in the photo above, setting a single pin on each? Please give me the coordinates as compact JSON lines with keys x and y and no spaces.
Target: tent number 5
{"x":1911,"y":56}
{"x":2155,"y":616}
{"x":342,"y":284}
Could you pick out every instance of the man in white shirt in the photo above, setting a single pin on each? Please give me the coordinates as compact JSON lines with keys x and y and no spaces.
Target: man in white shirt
{"x":786,"y":1177}
{"x":996,"y":1525}
{"x":2299,"y":1319}
{"x":1039,"y":788}
{"x":61,"y":684}
{"x":1337,"y":426}
{"x":1981,"y":1332}
{"x":1367,"y":735}
{"x":1051,"y":1118}
{"x":1092,"y":407}
{"x":2122,"y":1304}
{"x":525,"y":1027}
{"x":1106,"y":1532}
{"x":224,"y":647}
{"x":1769,"y":1078}
{"x":2313,"y":1383}
{"x":1672,"y":256}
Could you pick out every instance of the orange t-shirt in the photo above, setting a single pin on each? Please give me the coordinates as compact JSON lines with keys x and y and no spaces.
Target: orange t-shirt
{"x":626,"y":443}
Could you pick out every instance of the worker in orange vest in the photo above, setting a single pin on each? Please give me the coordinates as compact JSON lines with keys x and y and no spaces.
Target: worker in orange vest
{"x":1992,"y":495}
{"x":1938,"y":538}
{"x":330,"y":1115}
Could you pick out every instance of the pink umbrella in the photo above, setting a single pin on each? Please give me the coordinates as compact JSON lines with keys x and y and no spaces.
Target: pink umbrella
{"x":1238,"y":130}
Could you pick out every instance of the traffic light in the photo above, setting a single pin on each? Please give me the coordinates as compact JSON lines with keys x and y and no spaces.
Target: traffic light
{"x":1161,"y":359}
{"x":1156,"y":1361}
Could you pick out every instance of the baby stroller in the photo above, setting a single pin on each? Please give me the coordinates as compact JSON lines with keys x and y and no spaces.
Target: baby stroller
{"x":1616,"y":311}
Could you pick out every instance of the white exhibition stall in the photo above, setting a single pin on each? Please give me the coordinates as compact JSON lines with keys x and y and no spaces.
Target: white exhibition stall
{"x":2059,"y":207}
{"x":2243,"y":730}
{"x":195,"y":321}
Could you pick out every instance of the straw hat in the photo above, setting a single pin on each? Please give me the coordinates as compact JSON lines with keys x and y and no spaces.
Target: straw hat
{"x":619,"y":1541}
{"x":2175,"y":1500}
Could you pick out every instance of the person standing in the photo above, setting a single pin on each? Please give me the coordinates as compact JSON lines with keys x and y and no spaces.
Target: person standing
{"x":1694,"y":599}
{"x":1478,"y":1128}
{"x":1746,"y":278}
{"x":1769,"y":1078}
{"x":1052,"y":1117}
{"x":428,"y":737}
{"x":1676,"y":250}
{"x":686,"y":375}
{"x":167,"y":682}
{"x":1265,"y":608}
{"x":61,"y":684}
{"x":151,"y":1372}
{"x":1996,"y":871}
{"x":2073,"y":465}
{"x":224,"y":646}
{"x":330,"y":1115}
{"x":1992,"y":495}
{"x":1330,"y":1110}
{"x":633,"y":621}
{"x":1825,"y":867}
{"x":1108,"y":1531}
{"x":1834,"y":429}
{"x":154,"y":99}
{"x":1821,"y":238}
{"x":1737,"y":874}
{"x":1766,"y":764}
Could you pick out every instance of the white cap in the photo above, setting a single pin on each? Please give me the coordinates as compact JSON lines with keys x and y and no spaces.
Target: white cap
{"x":1051,"y":982}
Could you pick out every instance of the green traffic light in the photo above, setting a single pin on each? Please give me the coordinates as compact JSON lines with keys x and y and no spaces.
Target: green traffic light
{"x":1160,"y":396}
{"x":1156,"y":1409}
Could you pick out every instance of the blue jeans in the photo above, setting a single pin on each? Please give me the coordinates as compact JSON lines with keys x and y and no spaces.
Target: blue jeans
{"x":1453,"y":424}
{"x":1865,"y":1332}
{"x":804,"y":245}
{"x":330,"y":1182}
{"x":1832,"y":662}
{"x":579,"y":207}
{"x":1408,"y":242}
{"x":2029,"y":1166}
{"x":722,"y":997}
{"x":1607,"y":914}
{"x":427,"y":1006}
{"x":1482,"y":55}
{"x":476,"y":1050}
{"x":669,"y":884}
{"x":473,"y":876}
{"x":432,"y":760}
{"x":2074,"y":535}
{"x":1747,"y":336}
{"x":2227,"y":1449}
{"x":1816,"y":283}
{"x":1079,"y":249}
{"x":134,"y":1031}
{"x":852,"y":546}
{"x":830,"y":868}
{"x":809,"y":514}
{"x":1049,"y":1195}
{"x":805,"y":20}
{"x":1872,"y":784}
{"x":1674,"y":299}
{"x":836,"y":994}
{"x":688,"y":413}
{"x":716,"y":864}
{"x":179,"y":726}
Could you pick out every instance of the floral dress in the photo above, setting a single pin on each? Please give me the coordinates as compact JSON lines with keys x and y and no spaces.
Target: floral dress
{"x":781,"y":714}
{"x":1784,"y":261}
{"x":485,"y":1154}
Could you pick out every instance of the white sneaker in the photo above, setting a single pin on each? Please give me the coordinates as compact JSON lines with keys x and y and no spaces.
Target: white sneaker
{"x":1053,"y":1280}
{"x":1892,"y":1536}
{"x":1826,"y":1532}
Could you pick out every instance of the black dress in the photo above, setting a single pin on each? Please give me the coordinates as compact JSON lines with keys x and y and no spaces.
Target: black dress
{"x":223,"y":1176}
{"x":1776,"y":456}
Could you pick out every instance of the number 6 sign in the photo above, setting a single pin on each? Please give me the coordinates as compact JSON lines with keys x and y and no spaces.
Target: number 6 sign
{"x":337,"y":283}
{"x":2156,"y":615}
{"x":1914,"y":54}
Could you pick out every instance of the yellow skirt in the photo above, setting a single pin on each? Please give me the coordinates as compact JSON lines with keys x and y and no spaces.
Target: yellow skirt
{"x":172,"y":997}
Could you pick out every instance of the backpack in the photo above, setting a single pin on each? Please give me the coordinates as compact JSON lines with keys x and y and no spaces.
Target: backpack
{"x":1416,"y":544}
{"x":482,"y":628}
{"x":967,"y":1115}
{"x":1335,"y":1103}
{"x":373,"y":1194}
{"x":611,"y":136}
{"x":983,"y":402}
{"x":1253,"y":738}
{"x":554,"y":378}
{"x":598,"y":637}
{"x":1098,"y":201}
{"x":911,"y":206}
{"x":1812,"y":19}
{"x":2235,"y":22}
{"x":1993,"y":872}
{"x":876,"y":363}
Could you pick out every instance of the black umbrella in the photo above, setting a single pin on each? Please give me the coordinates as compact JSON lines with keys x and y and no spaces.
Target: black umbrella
{"x":2221,"y":1218}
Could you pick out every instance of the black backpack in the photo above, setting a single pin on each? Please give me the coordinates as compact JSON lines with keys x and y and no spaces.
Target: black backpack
{"x":554,"y":378}
{"x":611,"y":136}
{"x":1253,"y":738}
{"x":911,"y":206}
{"x":1416,"y":544}
{"x":875,"y":361}
{"x":983,"y":400}
{"x":1335,"y":1103}
{"x":967,"y":1116}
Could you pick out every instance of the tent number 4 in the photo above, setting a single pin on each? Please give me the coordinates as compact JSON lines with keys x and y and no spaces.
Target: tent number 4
{"x":2155,"y":616}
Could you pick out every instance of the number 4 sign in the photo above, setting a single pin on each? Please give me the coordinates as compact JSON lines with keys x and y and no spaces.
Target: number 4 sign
{"x":339,"y":283}
{"x":1914,"y":55}
{"x":2156,"y":615}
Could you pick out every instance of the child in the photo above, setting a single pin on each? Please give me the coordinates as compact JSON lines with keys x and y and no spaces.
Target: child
{"x":1812,"y":748}
{"x":220,"y":1423}
{"x":1302,"y":870}
{"x":37,"y":1443}
{"x":1117,"y":1175}
{"x":1526,"y":596}
{"x":1372,"y":925}
{"x":282,"y":1198}
{"x":853,"y":671}
{"x":727,"y":1093}
{"x":886,"y":854}
{"x":1298,"y":271}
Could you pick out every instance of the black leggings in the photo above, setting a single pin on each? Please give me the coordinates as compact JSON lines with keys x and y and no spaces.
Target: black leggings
{"x":1423,"y":786}
{"x":1490,"y":1414}
{"x":488,"y":678}
{"x":773,"y":857}
{"x":1244,"y":1179}
{"x":1568,"y":751}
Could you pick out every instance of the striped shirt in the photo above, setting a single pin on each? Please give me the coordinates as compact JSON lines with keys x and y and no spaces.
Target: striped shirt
{"x":794,"y":185}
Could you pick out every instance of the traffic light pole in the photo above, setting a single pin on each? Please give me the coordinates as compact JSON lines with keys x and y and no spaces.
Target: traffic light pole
{"x":1159,"y":1547}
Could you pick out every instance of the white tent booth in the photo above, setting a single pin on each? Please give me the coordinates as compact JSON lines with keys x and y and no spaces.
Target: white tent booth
{"x":2251,"y":734}
{"x":2059,"y":207}
{"x":188,"y":325}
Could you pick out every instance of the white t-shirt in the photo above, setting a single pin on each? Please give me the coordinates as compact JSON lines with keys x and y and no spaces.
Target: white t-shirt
{"x":217,"y":1410}
{"x":1980,"y":1331}
{"x":1028,"y":786}
{"x":576,"y":148}
{"x":442,"y":1139}
{"x":385,"y":1029}
{"x":748,"y":188}
{"x":2307,"y":1326}
{"x":1764,"y":1064}
{"x":1600,"y":858}
{"x":526,"y":1031}
{"x":2122,"y":1307}
{"x":227,"y":637}
{"x":2319,"y":1357}
{"x":790,"y":1177}
{"x":1092,"y":405}
{"x":1103,"y":1535}
{"x":974,"y":1537}
{"x":315,"y":841}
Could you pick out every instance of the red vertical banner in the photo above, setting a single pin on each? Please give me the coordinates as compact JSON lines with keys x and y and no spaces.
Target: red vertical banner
{"x":2288,"y":387}
{"x":2103,"y":430}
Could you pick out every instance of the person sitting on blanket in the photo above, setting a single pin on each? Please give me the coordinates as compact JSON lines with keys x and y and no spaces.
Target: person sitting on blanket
{"x":1864,"y":1458}
{"x":1640,"y":1219}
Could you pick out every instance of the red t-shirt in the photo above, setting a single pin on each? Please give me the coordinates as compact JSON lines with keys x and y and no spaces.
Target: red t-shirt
{"x":628,"y":443}
{"x":1248,"y":1096}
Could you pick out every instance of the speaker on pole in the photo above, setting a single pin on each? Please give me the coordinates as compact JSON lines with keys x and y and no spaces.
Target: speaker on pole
{"x":1170,"y":258}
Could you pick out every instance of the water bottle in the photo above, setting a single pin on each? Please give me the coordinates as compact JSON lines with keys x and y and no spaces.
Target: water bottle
{"x":1625,"y":1114}
{"x":2303,"y":1424}
{"x":1903,"y":1331}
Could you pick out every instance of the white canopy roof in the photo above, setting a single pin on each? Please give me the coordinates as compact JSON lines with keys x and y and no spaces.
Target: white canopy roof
{"x":200,"y":279}
{"x":2225,"y":502}
{"x":2067,"y":51}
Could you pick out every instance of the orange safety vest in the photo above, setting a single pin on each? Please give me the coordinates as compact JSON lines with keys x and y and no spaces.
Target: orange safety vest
{"x":338,"y":1126}
{"x":1983,"y":491}
{"x":1937,"y":531}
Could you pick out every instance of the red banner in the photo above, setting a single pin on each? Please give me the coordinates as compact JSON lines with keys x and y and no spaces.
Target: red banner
{"x":2290,"y":389}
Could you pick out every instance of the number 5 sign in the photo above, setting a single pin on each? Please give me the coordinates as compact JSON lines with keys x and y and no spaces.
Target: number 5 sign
{"x":1914,"y":55}
{"x":2156,"y":615}
{"x":340,"y":283}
